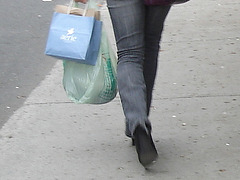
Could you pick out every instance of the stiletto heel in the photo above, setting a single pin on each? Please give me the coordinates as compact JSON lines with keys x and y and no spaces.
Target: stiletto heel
{"x":133,"y":142}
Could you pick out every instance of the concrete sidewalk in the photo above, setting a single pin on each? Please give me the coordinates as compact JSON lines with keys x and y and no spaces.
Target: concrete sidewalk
{"x":195,"y":112}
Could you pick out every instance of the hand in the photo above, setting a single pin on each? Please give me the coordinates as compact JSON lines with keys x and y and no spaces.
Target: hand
{"x":82,"y":1}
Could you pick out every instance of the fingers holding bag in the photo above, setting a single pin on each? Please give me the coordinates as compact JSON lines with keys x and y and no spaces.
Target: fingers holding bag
{"x":82,"y":1}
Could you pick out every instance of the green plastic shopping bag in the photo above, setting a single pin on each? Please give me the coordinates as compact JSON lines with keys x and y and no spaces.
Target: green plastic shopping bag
{"x":88,"y":84}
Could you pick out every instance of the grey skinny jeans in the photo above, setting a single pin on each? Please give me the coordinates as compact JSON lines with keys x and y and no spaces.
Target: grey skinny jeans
{"x":138,"y":30}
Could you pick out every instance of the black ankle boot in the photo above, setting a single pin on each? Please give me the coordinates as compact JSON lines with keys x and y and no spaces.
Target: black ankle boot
{"x":145,"y":147}
{"x":133,"y":141}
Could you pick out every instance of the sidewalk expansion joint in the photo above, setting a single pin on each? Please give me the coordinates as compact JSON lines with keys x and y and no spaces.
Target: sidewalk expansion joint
{"x":48,"y":103}
{"x":201,"y":40}
{"x":198,"y":96}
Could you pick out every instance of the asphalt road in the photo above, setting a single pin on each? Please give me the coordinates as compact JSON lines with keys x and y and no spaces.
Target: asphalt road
{"x":23,"y":32}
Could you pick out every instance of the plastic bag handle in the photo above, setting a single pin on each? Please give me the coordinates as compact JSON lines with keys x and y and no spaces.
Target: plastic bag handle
{"x":85,"y":9}
{"x":71,"y":5}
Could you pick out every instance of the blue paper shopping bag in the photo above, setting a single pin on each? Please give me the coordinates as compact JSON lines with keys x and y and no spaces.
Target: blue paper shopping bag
{"x":75,"y":38}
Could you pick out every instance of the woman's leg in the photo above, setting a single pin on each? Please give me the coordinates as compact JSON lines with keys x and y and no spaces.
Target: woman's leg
{"x":154,"y":22}
{"x":128,"y":19}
